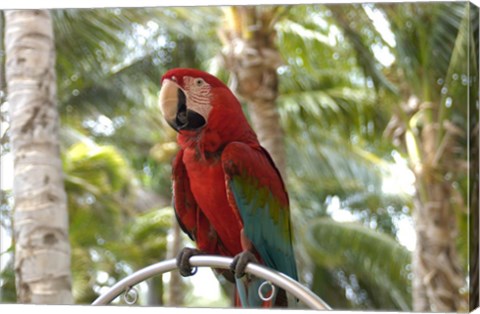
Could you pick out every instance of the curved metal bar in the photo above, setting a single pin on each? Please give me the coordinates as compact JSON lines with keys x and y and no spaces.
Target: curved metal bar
{"x":288,"y":284}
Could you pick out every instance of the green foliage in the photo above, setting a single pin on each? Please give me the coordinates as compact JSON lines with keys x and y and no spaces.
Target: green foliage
{"x":105,"y":169}
{"x":336,"y":100}
{"x":431,"y":45}
{"x":7,"y":275}
{"x":333,"y":121}
{"x":337,"y":168}
{"x":7,"y":282}
{"x":144,"y":239}
{"x":424,"y":36}
{"x":94,"y":176}
{"x":319,"y":92}
{"x":434,"y":54}
{"x":326,"y":89}
{"x":99,"y":187}
{"x":379,"y":263}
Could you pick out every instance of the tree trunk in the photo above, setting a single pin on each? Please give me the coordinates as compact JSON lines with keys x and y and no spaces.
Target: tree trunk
{"x":251,"y":56}
{"x":155,"y":291}
{"x":42,"y":248}
{"x":2,"y":59}
{"x":4,"y":138}
{"x":437,"y":274}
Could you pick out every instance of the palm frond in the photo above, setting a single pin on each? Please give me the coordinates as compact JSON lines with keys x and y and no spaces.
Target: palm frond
{"x":97,"y":180}
{"x":102,"y":166}
{"x":348,"y":17}
{"x":424,"y":39}
{"x":91,"y":37}
{"x":455,"y":83}
{"x":144,"y":238}
{"x":350,"y":111}
{"x":329,"y":165}
{"x":376,"y":259}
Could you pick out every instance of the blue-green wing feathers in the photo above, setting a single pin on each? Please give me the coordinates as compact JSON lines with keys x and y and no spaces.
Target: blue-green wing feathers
{"x":256,"y":189}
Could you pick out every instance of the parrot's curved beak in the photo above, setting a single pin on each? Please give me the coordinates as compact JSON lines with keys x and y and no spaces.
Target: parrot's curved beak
{"x":173,"y":104}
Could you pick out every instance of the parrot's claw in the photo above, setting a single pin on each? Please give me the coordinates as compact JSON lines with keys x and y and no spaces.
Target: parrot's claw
{"x":183,"y":261}
{"x":240,"y":262}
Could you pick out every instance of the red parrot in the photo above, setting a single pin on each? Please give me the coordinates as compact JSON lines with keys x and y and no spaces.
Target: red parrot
{"x":228,"y":195}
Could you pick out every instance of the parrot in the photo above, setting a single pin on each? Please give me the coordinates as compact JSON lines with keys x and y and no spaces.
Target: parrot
{"x":228,"y":195}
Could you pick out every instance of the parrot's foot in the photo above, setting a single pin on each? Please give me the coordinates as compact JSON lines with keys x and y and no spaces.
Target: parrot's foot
{"x":240,"y":262}
{"x":183,"y":261}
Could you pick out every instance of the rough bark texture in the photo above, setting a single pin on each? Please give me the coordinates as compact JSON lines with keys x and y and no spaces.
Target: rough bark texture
{"x":42,"y":248}
{"x":437,"y":274}
{"x":2,"y":59}
{"x":251,"y":56}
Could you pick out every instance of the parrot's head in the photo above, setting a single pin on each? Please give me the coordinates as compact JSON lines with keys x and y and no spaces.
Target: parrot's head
{"x":188,"y":96}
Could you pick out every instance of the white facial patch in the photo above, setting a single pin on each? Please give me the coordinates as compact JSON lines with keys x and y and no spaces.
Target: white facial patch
{"x":198,"y":95}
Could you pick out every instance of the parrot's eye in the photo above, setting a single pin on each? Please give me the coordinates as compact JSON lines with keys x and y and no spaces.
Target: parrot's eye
{"x":199,"y":82}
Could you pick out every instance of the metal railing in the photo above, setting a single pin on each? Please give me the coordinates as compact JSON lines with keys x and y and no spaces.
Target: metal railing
{"x":276,"y":278}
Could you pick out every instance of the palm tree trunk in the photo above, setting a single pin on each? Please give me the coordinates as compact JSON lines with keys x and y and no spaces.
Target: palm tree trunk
{"x":251,"y":56}
{"x":42,"y":248}
{"x":2,"y":58}
{"x":437,"y":274}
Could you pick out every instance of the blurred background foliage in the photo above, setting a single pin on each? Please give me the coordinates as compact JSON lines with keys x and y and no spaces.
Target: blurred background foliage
{"x":346,"y":72}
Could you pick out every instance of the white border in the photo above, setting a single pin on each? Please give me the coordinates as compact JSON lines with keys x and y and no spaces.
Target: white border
{"x":51,"y":4}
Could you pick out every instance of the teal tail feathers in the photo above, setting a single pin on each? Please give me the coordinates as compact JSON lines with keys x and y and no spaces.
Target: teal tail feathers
{"x":248,"y":290}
